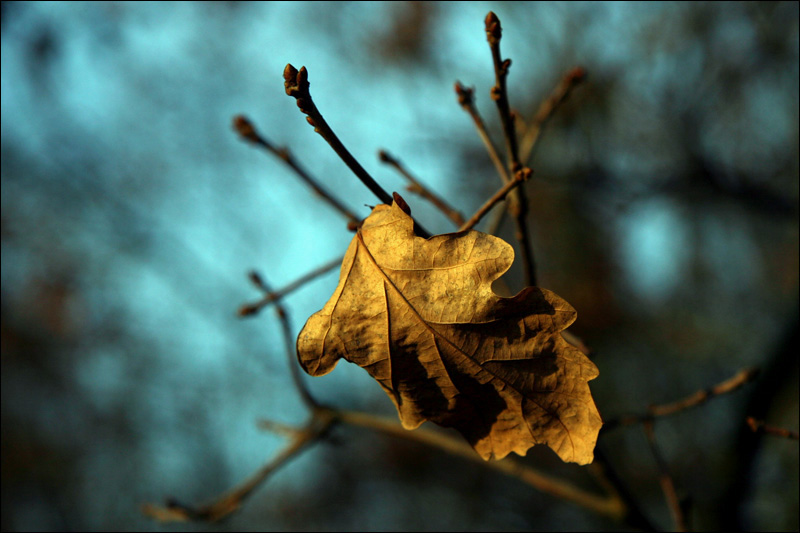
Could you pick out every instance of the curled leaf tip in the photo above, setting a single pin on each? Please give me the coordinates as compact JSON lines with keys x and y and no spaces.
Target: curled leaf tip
{"x":401,"y":203}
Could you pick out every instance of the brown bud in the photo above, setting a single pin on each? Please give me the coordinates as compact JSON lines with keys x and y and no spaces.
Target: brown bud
{"x":523,"y":174}
{"x":295,"y":83}
{"x":576,"y":75}
{"x":493,"y":30}
{"x":302,"y":78}
{"x":248,"y":310}
{"x":245,"y":128}
{"x":289,"y":73}
{"x":256,"y":279}
{"x":464,"y":94}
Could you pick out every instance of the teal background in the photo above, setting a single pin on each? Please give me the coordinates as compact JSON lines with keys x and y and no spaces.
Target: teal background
{"x":664,"y":208}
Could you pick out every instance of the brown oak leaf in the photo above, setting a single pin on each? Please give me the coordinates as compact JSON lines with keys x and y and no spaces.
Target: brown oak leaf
{"x":421,"y":317}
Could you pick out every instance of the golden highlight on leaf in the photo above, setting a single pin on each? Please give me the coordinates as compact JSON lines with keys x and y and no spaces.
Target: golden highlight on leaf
{"x":420,"y":316}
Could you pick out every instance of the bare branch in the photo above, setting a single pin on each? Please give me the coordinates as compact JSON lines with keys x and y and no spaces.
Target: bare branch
{"x":693,"y":400}
{"x":247,"y":131}
{"x":665,"y":479}
{"x":273,"y":296}
{"x":289,"y":342}
{"x":521,"y":176}
{"x":609,"y":506}
{"x":518,"y":203}
{"x":758,"y":426}
{"x":296,"y":84}
{"x":321,"y":421}
{"x":546,"y":110}
{"x":466,"y":100}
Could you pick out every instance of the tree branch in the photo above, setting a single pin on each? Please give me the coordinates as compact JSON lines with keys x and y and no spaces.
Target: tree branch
{"x":521,"y":176}
{"x":518,"y":203}
{"x":546,"y":110}
{"x":693,"y":400}
{"x":289,"y":342}
{"x":273,"y":296}
{"x":172,"y":511}
{"x":247,"y":131}
{"x":665,"y":479}
{"x":297,"y":85}
{"x":758,"y":426}
{"x":466,"y":100}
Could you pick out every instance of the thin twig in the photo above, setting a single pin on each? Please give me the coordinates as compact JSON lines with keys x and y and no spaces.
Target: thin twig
{"x":279,"y":428}
{"x":521,"y":176}
{"x":289,"y":342}
{"x":702,"y":396}
{"x":609,"y":506}
{"x":273,"y":296}
{"x":297,"y":85}
{"x":607,"y":476}
{"x":665,"y":479}
{"x":324,"y":418}
{"x":693,"y":400}
{"x":518,"y":203}
{"x":321,"y":421}
{"x":418,"y":188}
{"x":466,"y":99}
{"x":546,"y":110}
{"x":499,"y":94}
{"x":247,"y":131}
{"x":758,"y":426}
{"x":496,"y":222}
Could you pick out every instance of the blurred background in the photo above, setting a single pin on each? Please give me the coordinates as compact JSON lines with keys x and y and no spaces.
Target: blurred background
{"x":664,"y":208}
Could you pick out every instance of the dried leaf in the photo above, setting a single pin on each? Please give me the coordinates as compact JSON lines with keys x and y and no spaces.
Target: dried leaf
{"x":421,"y":317}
